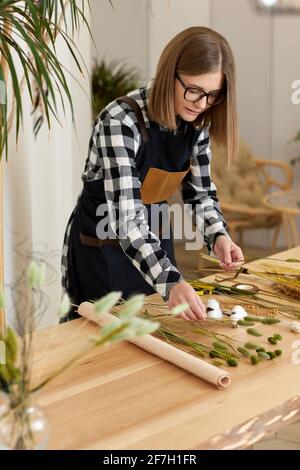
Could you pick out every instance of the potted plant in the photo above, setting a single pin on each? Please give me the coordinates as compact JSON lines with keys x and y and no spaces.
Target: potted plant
{"x":23,"y":425}
{"x":110,"y":81}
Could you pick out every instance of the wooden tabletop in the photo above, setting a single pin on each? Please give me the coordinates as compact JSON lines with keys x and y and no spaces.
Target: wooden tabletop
{"x":122,"y":397}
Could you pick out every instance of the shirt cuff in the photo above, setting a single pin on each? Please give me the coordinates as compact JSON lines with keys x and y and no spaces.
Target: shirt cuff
{"x":164,"y":290}
{"x":215,"y":236}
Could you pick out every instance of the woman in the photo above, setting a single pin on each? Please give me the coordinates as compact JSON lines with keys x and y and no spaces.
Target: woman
{"x":142,"y":148}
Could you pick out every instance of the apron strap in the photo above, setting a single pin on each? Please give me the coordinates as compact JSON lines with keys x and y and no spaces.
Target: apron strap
{"x":137,"y":110}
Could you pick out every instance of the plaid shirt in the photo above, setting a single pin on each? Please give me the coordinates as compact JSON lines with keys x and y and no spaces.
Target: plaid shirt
{"x":114,"y":143}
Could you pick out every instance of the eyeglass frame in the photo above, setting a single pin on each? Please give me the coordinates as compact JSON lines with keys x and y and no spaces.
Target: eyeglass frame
{"x":187,"y":88}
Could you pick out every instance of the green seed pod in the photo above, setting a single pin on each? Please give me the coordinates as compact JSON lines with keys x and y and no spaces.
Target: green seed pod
{"x":215,"y":353}
{"x":277,"y":336}
{"x":222,"y":354}
{"x":278,"y":352}
{"x":253,"y":332}
{"x":232,"y":362}
{"x":199,"y":351}
{"x":11,"y":344}
{"x":244,"y":352}
{"x":258,"y":350}
{"x":219,"y":345}
{"x":251,"y":345}
{"x":245,"y":323}
{"x":254,"y":360}
{"x":217,"y":363}
{"x":251,"y":318}
{"x":270,"y":321}
{"x":264,"y":356}
{"x":271,"y":354}
{"x":272,"y":340}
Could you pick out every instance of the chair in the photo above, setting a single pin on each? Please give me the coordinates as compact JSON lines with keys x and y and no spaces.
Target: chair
{"x":242,"y":187}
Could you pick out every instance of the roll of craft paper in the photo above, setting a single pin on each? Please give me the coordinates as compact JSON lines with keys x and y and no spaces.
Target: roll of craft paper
{"x":192,"y":364}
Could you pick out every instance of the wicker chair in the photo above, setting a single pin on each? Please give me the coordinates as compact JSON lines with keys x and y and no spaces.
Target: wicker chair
{"x":241,"y":189}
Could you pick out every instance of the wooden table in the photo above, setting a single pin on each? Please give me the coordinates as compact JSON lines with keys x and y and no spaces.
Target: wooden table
{"x":122,"y":397}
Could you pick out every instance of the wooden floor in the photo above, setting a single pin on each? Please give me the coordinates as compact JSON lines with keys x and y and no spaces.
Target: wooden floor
{"x":187,"y":261}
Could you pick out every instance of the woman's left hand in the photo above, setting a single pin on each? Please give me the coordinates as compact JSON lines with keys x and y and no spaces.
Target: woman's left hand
{"x":229,"y":254}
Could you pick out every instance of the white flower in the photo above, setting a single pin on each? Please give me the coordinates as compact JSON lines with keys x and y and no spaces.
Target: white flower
{"x":213,"y":310}
{"x":238,"y":313}
{"x":295,"y":327}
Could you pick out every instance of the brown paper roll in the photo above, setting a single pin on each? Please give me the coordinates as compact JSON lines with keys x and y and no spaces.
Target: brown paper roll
{"x":196,"y":366}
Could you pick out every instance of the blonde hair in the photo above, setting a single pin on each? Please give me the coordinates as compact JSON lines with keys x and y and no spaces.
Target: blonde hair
{"x":195,"y":51}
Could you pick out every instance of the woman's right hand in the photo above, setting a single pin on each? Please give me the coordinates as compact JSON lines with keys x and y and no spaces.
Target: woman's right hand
{"x":183,"y":293}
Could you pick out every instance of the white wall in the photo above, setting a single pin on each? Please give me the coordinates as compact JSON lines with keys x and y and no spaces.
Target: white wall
{"x":168,"y":18}
{"x":120,"y":33}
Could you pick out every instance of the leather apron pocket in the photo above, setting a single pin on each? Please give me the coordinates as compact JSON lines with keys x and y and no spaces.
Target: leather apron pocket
{"x":159,"y":185}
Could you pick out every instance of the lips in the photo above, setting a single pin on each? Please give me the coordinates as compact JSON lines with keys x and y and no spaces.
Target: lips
{"x":191,"y":111}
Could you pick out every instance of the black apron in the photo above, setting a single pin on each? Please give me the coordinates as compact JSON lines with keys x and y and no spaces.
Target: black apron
{"x":163,"y":160}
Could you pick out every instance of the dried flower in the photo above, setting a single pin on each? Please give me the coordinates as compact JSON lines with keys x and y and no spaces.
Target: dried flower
{"x":245,"y":323}
{"x":263,"y":355}
{"x":272,"y":340}
{"x":254,"y":360}
{"x":232,"y":362}
{"x":15,"y":374}
{"x":64,"y":306}
{"x":251,"y":345}
{"x":107,"y":302}
{"x":295,"y":327}
{"x":253,"y":332}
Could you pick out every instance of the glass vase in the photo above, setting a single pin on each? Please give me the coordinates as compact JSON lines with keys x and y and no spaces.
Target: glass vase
{"x":24,"y":427}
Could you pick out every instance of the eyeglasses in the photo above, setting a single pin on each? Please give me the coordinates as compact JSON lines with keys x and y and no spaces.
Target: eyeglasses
{"x":194,"y":94}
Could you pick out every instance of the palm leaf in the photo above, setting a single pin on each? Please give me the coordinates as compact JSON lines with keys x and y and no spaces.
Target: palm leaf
{"x":37,"y":24}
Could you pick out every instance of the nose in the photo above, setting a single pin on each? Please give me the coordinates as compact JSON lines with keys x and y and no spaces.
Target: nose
{"x":201,"y":104}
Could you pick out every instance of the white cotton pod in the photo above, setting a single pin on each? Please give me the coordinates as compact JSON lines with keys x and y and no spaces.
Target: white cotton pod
{"x":213,"y":310}
{"x":214,"y":314}
{"x":295,"y":327}
{"x":238,"y":313}
{"x":213,"y":304}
